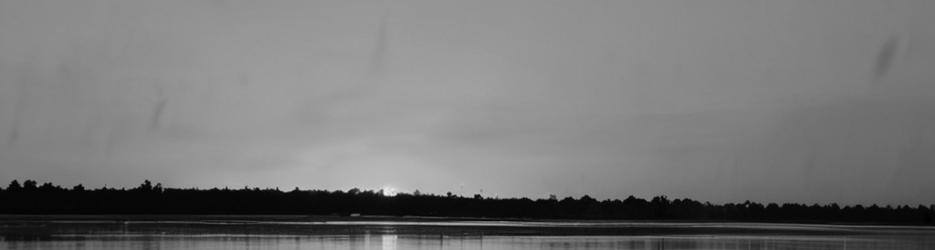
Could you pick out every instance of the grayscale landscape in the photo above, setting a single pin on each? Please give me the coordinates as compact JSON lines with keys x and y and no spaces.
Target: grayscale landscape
{"x":467,"y":124}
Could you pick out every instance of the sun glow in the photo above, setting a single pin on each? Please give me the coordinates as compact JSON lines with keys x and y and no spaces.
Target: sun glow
{"x":389,"y":190}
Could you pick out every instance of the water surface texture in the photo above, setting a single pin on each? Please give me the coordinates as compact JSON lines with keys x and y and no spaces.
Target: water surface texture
{"x":385,"y":235}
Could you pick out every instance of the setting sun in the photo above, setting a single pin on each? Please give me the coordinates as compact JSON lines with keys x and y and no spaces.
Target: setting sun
{"x":389,"y":190}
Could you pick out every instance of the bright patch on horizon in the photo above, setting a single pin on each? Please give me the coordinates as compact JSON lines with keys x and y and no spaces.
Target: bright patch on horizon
{"x":389,"y":191}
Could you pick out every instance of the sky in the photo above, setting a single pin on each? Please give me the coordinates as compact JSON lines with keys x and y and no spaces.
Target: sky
{"x":715,"y":100}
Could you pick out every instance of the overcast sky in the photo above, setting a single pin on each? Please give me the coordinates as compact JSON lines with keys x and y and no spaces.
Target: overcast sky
{"x":723,"y":101}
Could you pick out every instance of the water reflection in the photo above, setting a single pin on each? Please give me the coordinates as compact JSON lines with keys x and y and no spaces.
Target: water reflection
{"x":389,"y":242}
{"x":393,"y":242}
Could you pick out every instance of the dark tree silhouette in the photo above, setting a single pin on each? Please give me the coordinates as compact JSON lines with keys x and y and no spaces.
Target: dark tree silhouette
{"x":31,"y":198}
{"x":14,"y":186}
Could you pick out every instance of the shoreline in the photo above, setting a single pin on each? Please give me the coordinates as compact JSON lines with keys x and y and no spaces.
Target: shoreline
{"x":314,"y":218}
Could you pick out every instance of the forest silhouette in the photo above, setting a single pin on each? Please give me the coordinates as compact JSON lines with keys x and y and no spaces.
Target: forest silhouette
{"x":32,"y":198}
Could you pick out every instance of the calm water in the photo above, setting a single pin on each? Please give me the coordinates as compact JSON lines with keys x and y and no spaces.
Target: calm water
{"x":449,"y":235}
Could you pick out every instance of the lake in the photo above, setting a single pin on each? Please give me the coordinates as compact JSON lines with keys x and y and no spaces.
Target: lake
{"x":407,"y":233}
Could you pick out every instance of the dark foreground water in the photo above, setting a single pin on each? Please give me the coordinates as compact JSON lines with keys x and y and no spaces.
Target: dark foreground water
{"x":408,"y":234}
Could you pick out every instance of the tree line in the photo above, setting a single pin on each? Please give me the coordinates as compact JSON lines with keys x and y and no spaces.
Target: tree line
{"x":32,"y":198}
